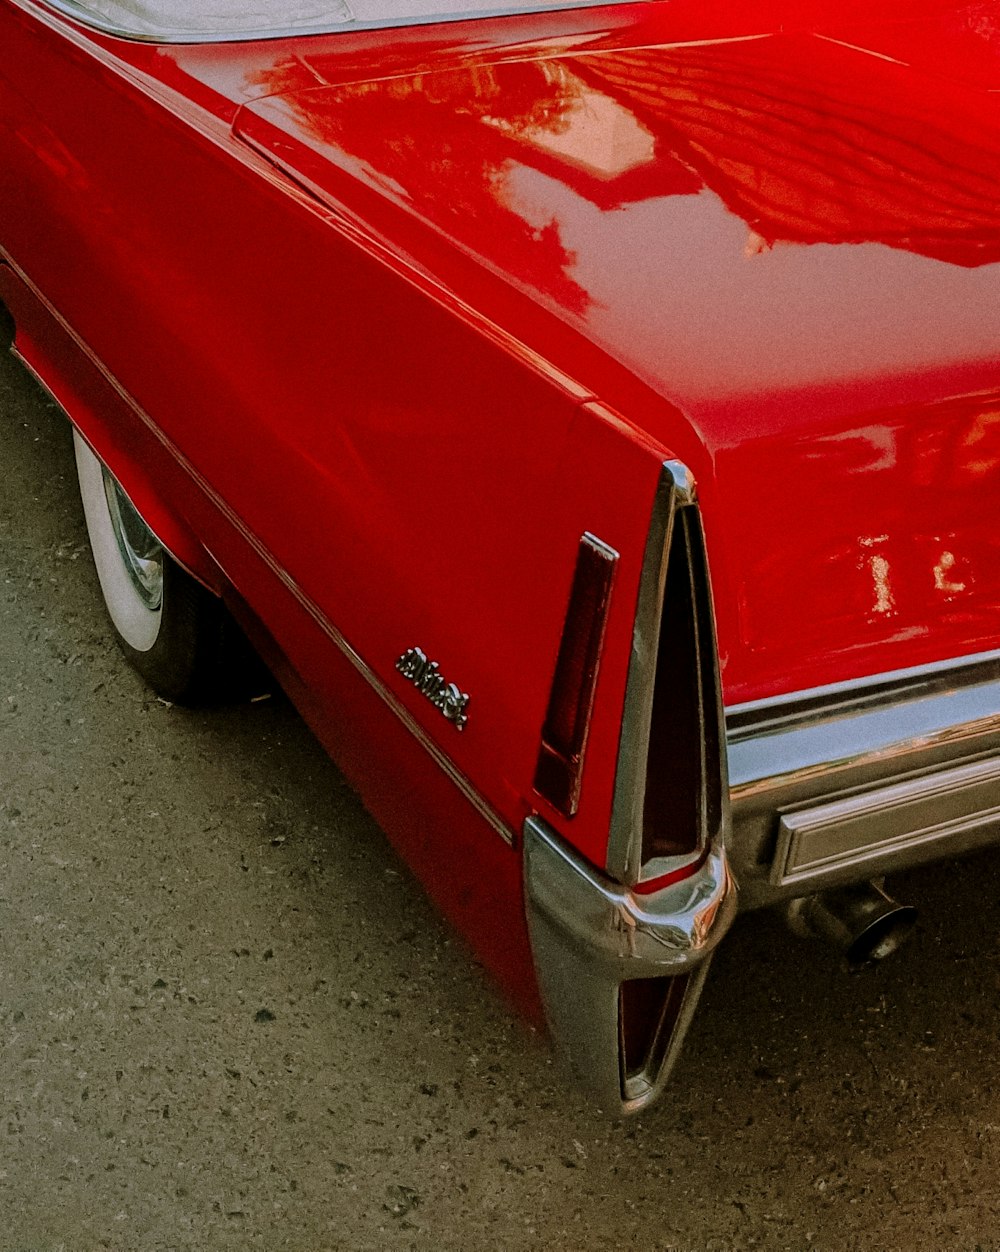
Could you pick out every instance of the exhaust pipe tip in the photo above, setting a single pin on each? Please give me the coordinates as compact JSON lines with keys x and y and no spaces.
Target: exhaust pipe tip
{"x":861,"y":920}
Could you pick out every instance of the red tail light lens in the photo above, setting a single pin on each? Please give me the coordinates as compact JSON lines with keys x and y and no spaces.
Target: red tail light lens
{"x":682,"y":801}
{"x":567,"y":721}
{"x":671,"y":788}
{"x":648,"y":1011}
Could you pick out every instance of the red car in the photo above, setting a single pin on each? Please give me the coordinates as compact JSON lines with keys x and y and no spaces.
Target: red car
{"x":401,"y":335}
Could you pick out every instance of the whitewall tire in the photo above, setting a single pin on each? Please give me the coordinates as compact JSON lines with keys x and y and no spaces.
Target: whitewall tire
{"x":174,"y":632}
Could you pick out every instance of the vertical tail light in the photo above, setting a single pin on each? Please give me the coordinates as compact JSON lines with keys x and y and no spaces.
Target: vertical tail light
{"x":682,"y":802}
{"x":648,"y":1014}
{"x":622,"y":953}
{"x":567,"y":721}
{"x":670,"y":786}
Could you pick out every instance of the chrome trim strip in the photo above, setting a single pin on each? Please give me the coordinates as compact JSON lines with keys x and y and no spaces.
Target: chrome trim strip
{"x":76,"y":12}
{"x":872,"y":742}
{"x":589,"y":934}
{"x":475,"y":798}
{"x":750,"y":717}
{"x":960,"y":804}
{"x":388,"y":697}
{"x":478,"y":801}
{"x":30,"y":369}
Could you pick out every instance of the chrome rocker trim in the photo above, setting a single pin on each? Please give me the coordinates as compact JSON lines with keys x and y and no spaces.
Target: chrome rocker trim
{"x":590,"y":934}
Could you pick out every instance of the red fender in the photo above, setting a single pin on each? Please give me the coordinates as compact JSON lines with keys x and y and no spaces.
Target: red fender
{"x":93,"y":402}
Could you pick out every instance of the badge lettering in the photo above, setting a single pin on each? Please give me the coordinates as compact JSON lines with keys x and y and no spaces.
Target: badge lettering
{"x":425,"y":675}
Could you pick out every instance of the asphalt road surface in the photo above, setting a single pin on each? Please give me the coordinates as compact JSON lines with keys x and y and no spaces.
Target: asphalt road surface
{"x":230,"y":1019}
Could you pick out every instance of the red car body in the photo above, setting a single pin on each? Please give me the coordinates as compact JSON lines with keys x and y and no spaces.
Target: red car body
{"x":411,"y":343}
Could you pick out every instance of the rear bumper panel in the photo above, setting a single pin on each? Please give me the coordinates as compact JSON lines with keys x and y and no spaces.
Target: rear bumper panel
{"x":853,"y":782}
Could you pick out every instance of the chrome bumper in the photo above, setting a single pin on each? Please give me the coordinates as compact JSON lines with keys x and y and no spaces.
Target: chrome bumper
{"x":589,"y":935}
{"x":828,"y":787}
{"x":855,"y":781}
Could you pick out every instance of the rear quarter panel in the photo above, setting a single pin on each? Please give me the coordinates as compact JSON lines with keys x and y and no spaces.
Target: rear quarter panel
{"x":371,"y":464}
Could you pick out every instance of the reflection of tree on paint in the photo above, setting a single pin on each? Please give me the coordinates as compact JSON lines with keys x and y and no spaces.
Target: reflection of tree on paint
{"x":811,"y":142}
{"x":805,"y":139}
{"x":445,"y":143}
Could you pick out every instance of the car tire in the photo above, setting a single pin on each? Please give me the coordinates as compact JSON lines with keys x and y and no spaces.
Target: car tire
{"x":175,"y":632}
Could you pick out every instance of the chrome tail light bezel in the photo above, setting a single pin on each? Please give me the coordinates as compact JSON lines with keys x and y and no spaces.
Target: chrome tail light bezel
{"x":596,"y":930}
{"x":675,"y":534}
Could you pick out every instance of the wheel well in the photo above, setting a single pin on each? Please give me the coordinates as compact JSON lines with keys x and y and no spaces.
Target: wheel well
{"x":120,"y":436}
{"x":138,"y":484}
{"x":6,"y":326}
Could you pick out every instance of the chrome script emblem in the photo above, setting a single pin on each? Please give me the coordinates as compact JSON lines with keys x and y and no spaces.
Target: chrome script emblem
{"x":424,"y":675}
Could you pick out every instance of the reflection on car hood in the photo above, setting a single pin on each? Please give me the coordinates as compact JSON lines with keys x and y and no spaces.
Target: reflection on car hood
{"x":790,"y":237}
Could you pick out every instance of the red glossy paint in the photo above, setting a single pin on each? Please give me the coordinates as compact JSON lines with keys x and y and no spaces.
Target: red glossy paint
{"x":767,"y":233}
{"x":793,"y":243}
{"x":397,"y":316}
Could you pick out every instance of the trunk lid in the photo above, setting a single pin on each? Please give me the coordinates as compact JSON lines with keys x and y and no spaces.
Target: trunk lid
{"x":775,"y":245}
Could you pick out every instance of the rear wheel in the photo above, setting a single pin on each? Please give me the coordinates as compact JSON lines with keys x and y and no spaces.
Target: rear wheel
{"x":177,"y":634}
